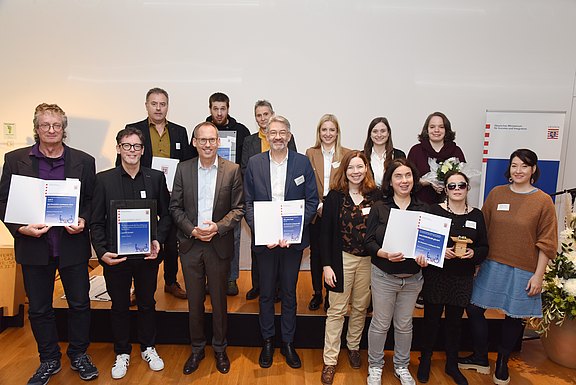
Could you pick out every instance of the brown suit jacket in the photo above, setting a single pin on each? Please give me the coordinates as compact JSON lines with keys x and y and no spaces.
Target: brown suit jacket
{"x":317,"y":161}
{"x":227,"y":211}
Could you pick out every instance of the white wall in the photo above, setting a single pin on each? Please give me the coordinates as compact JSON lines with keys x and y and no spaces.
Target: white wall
{"x":357,"y":59}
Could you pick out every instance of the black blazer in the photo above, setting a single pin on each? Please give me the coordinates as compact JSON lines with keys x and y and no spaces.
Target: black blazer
{"x":74,"y":249}
{"x":108,"y":188}
{"x":253,"y":145}
{"x":178,"y":138}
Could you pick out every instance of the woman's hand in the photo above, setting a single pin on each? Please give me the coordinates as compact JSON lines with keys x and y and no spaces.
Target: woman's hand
{"x":534,"y":286}
{"x":392,"y":257}
{"x":450,"y":253}
{"x":421,"y":260}
{"x":329,"y":276}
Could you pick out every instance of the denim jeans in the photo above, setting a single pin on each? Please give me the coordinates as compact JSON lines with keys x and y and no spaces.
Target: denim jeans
{"x":392,"y":298}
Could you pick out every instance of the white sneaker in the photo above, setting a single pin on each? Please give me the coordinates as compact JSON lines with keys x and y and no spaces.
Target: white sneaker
{"x":154,"y":361}
{"x":403,"y":374}
{"x":120,"y":366}
{"x":374,"y":375}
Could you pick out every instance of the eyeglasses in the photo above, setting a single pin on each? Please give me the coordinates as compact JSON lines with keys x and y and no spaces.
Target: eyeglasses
{"x":460,"y":185}
{"x":46,"y":127}
{"x":203,"y":141}
{"x":128,"y":146}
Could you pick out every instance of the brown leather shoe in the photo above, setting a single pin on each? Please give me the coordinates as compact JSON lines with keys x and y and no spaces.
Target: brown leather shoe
{"x":354,"y":359}
{"x":222,"y":362}
{"x":328,"y":372}
{"x":176,"y":290}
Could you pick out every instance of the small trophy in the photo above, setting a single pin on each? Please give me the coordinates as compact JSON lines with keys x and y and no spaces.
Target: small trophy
{"x":460,"y":245}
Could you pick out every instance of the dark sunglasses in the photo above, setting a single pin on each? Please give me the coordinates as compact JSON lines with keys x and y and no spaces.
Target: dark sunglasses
{"x":460,"y":185}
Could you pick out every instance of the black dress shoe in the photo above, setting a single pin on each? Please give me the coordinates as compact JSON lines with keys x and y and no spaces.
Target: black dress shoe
{"x":252,"y":294}
{"x":267,"y":353}
{"x":193,"y":362}
{"x":326,"y":303}
{"x":315,"y":302}
{"x":222,"y":362}
{"x":292,"y":358}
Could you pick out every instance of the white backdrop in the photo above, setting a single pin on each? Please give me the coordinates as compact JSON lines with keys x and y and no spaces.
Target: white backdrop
{"x":357,"y":59}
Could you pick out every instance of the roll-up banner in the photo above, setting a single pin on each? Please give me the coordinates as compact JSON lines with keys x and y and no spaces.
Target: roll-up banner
{"x":506,"y":131}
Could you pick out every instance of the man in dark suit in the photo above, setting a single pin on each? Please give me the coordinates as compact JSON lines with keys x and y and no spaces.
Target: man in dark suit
{"x":42,"y":249}
{"x":279,"y":175}
{"x":255,"y":144}
{"x":130,"y":182}
{"x":206,"y":205}
{"x":164,"y":139}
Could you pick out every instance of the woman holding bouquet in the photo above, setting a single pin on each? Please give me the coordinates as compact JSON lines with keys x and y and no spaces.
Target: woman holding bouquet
{"x":436,"y":142}
{"x":379,"y":148}
{"x":449,"y":289}
{"x":345,"y":258}
{"x":523,"y":236}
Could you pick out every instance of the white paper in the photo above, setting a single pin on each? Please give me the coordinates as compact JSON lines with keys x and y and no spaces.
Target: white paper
{"x":133,"y":231}
{"x":225,"y":148}
{"x":417,"y":233}
{"x":168,"y":167}
{"x":276,"y":220}
{"x":37,"y":201}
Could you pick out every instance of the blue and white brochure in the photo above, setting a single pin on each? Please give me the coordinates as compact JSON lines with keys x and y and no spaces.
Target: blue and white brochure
{"x":133,"y":231}
{"x":278,"y":220}
{"x":417,"y":233}
{"x":39,"y":201}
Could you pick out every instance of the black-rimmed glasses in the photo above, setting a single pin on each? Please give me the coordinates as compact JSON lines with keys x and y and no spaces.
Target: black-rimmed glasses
{"x":128,"y":146}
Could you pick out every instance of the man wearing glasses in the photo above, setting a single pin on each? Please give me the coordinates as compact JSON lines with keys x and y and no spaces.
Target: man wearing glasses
{"x":130,"y":182}
{"x":164,"y":139}
{"x":206,"y":205}
{"x":41,"y":249}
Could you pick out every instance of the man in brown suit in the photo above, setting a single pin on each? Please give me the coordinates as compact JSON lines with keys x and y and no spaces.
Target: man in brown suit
{"x":207,"y":203}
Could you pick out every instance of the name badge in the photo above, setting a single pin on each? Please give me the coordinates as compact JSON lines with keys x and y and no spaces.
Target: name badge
{"x":503,"y":207}
{"x":177,"y":145}
{"x":470,"y":224}
{"x":143,"y":194}
{"x":335,"y":164}
{"x":366,"y":211}
{"x":299,"y":180}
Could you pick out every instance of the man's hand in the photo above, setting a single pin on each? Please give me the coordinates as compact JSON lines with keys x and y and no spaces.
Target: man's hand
{"x":205,"y":234}
{"x":76,"y":229}
{"x":112,"y":258}
{"x":155,"y":250}
{"x":34,"y":230}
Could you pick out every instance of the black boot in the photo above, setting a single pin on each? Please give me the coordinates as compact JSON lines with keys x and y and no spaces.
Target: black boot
{"x":452,"y":370}
{"x":501,"y":375}
{"x":424,"y":367}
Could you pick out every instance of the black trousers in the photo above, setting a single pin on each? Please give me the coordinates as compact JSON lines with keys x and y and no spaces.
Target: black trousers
{"x":169,"y":254}
{"x":281,"y":264}
{"x":199,"y":263}
{"x":39,"y":286}
{"x":453,"y":326}
{"x":118,"y":283}
{"x":316,"y":268}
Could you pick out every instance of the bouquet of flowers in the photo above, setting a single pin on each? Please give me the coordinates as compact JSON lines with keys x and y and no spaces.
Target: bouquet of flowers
{"x":559,"y":286}
{"x":438,"y":170}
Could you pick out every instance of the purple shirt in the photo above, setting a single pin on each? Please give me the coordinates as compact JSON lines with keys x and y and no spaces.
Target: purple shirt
{"x":51,"y":169}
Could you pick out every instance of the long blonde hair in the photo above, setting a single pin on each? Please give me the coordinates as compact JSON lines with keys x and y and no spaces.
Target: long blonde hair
{"x":337,"y":147}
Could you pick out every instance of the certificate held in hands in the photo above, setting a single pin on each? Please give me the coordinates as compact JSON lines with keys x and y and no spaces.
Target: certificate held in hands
{"x":277,"y":220}
{"x":135,"y":226}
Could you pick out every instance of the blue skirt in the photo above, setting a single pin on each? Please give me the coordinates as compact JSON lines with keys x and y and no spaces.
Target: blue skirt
{"x":499,"y":286}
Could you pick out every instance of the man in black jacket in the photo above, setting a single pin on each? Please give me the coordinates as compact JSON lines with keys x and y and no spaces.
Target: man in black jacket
{"x":130,"y":182}
{"x":164,"y":139}
{"x":42,"y":249}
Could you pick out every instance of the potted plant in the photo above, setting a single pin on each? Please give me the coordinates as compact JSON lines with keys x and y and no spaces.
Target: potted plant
{"x":558,"y":324}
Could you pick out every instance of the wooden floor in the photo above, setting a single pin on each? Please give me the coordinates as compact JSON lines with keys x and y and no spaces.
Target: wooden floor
{"x":18,"y":361}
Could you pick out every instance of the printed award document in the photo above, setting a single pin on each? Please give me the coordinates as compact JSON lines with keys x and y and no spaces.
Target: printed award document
{"x":168,"y":167}
{"x":276,"y":220}
{"x":135,"y":224}
{"x":35,"y":201}
{"x":417,"y":233}
{"x":227,"y":148}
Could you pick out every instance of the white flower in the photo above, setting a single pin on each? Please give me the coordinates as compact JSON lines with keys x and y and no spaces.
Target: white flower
{"x":558,"y":282}
{"x":567,"y":234}
{"x":570,"y":286}
{"x":571,"y":257}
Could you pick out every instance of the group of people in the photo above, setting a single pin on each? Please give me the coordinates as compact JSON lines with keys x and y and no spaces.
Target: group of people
{"x":347,"y":194}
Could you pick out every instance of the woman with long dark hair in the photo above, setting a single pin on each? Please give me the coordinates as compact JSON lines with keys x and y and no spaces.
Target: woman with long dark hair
{"x":379,"y":148}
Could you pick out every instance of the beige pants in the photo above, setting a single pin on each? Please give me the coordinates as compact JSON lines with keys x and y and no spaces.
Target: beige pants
{"x":357,"y":293}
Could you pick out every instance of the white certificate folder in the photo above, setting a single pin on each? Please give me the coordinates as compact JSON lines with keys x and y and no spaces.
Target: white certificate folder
{"x":417,"y":233}
{"x":276,"y":220}
{"x":135,"y":226}
{"x":38,"y":201}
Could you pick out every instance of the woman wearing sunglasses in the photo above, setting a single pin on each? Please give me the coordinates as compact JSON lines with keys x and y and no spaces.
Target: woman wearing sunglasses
{"x":449,"y":289}
{"x":523,"y":236}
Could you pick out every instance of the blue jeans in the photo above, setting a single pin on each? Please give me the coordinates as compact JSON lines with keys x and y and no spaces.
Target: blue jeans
{"x":392,"y":298}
